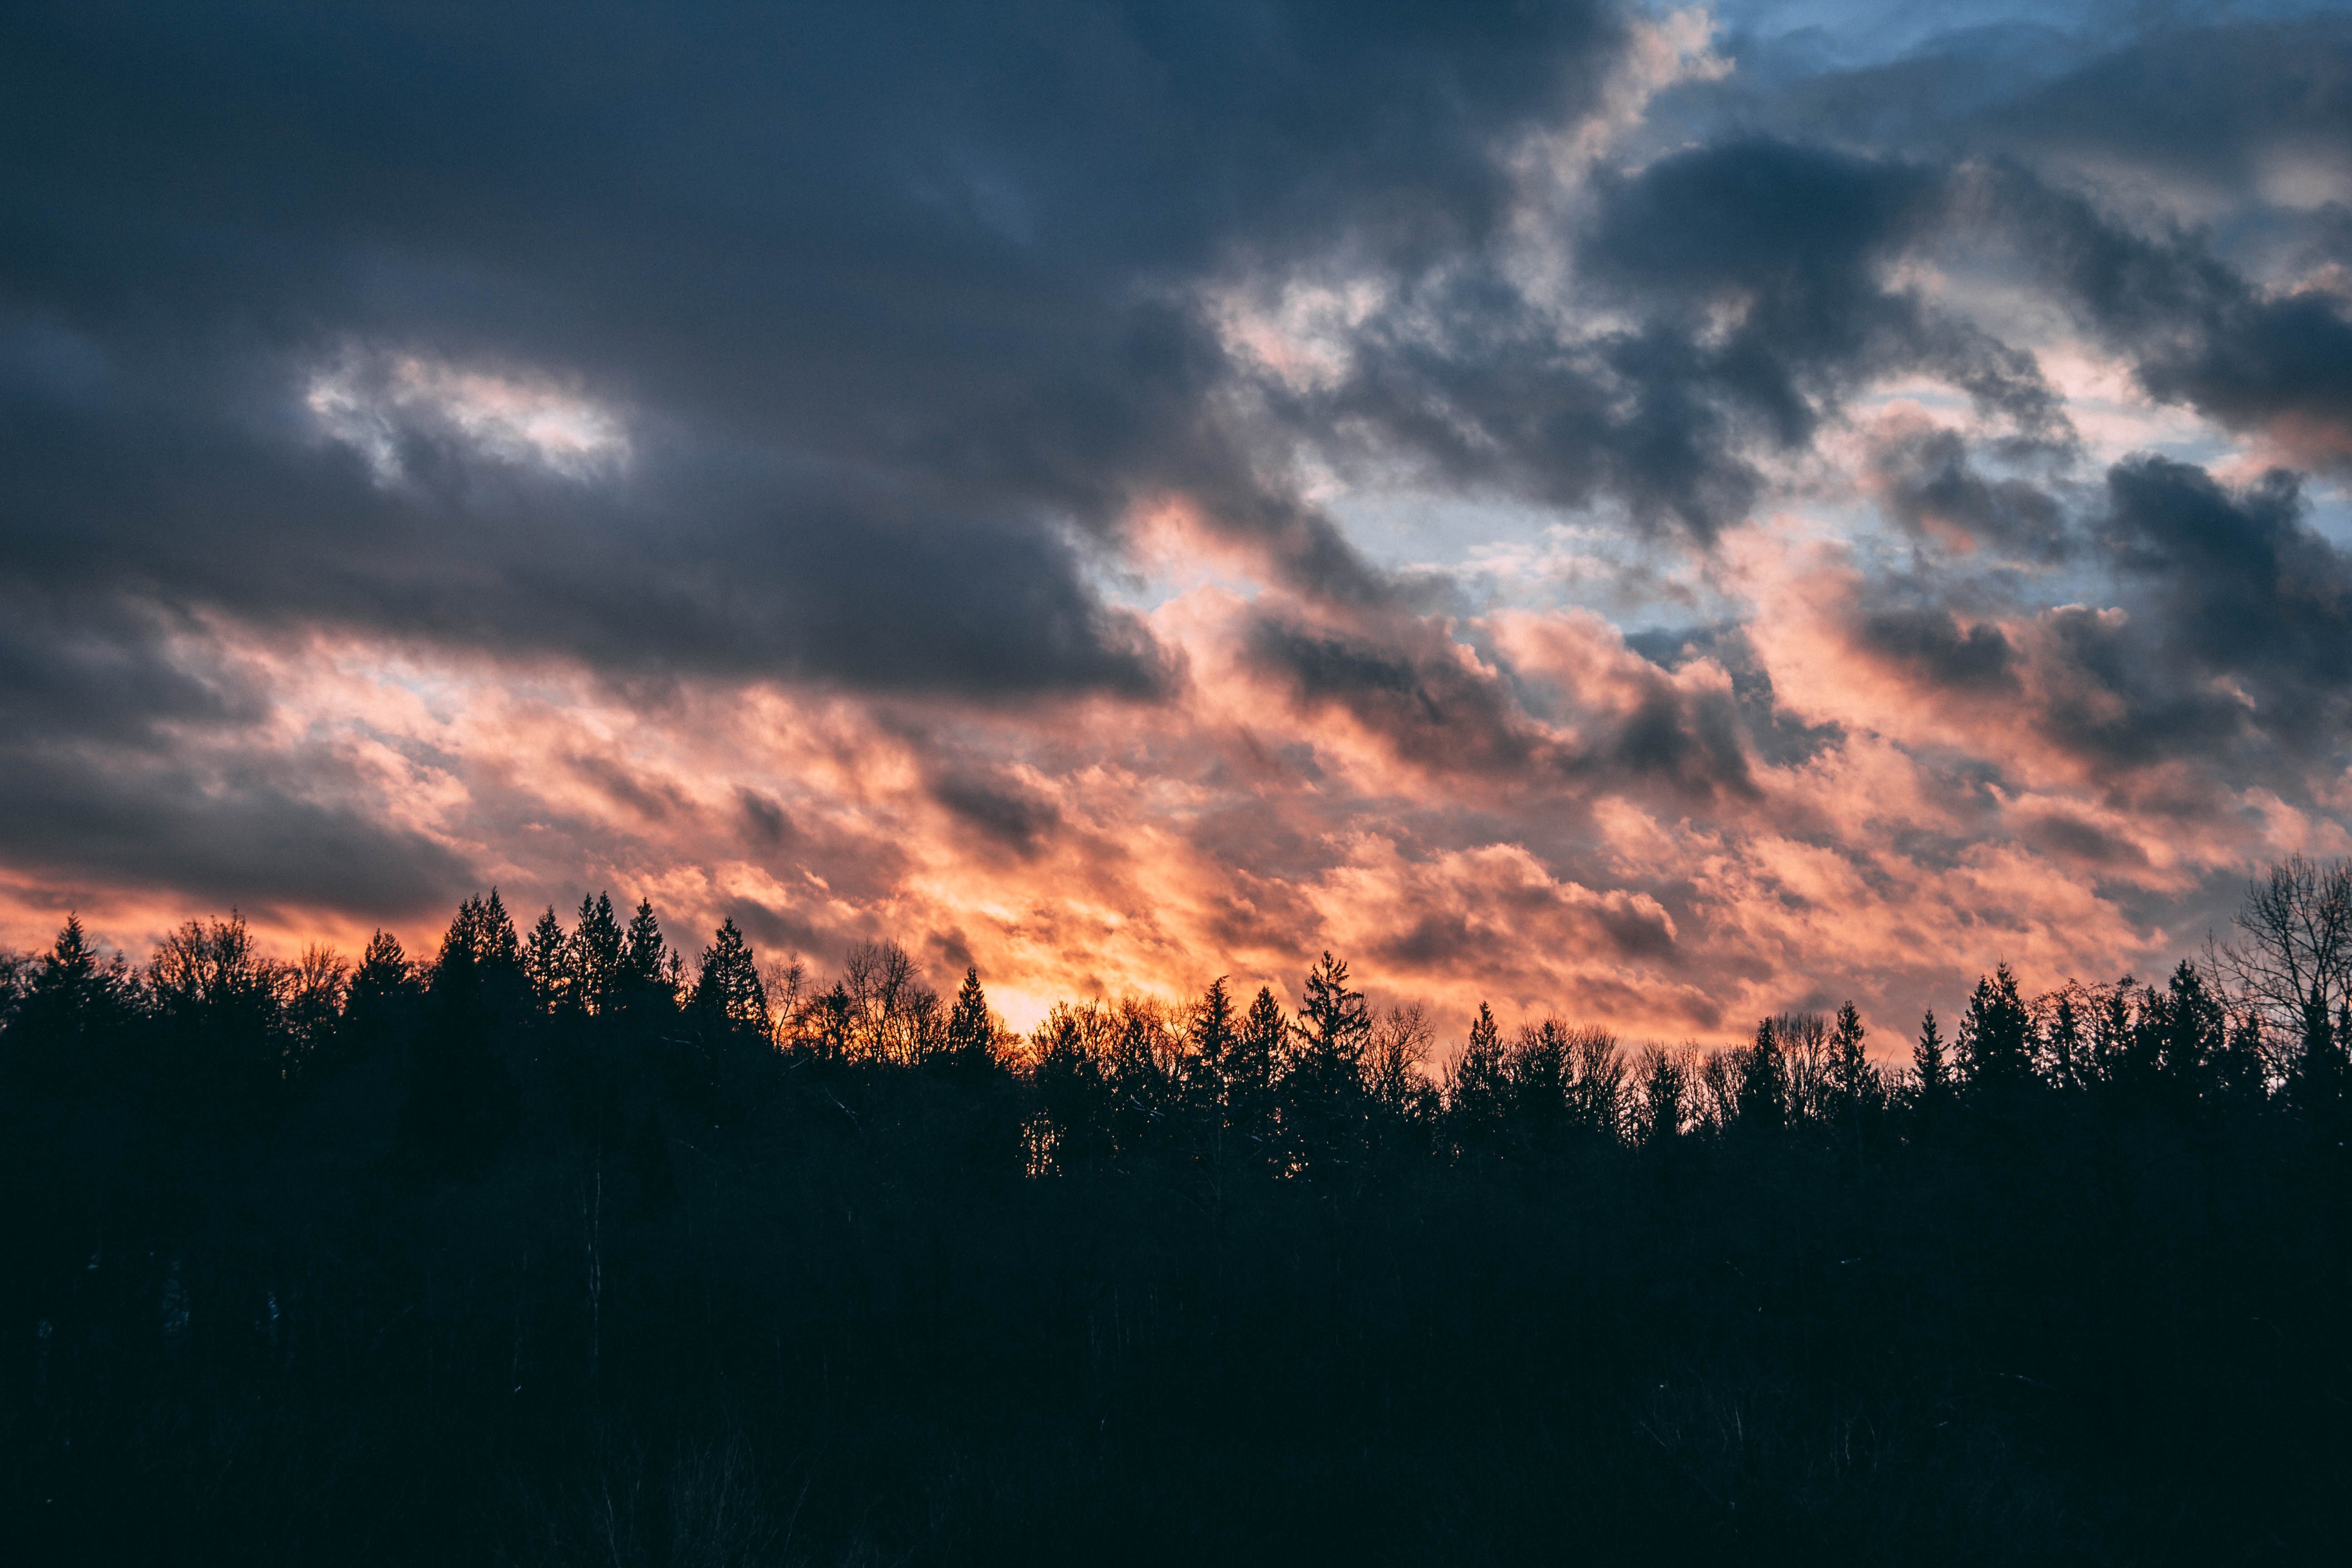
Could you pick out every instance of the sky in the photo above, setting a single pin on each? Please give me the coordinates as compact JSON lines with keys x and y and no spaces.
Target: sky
{"x":1654,"y":516}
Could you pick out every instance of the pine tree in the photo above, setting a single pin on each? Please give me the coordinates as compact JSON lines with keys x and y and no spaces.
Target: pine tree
{"x":1928,"y":1066}
{"x":2241,"y":1070}
{"x":1259,"y":1059}
{"x":1856,"y":1081}
{"x":381,"y":987}
{"x":2317,"y":1081}
{"x":970,"y":1039}
{"x":71,"y":961}
{"x":1539,"y":1075}
{"x":72,"y":1010}
{"x":2191,"y":1033}
{"x":2110,"y":1036}
{"x":462,"y":1102}
{"x":2067,"y":1052}
{"x":1477,"y":1092}
{"x":1333,"y":1029}
{"x":727,"y":986}
{"x":1663,"y":1094}
{"x":1213,"y":1036}
{"x":643,"y":953}
{"x":593,"y":955}
{"x":545,"y":967}
{"x":480,"y":941}
{"x":1763,"y":1082}
{"x":495,"y":944}
{"x":1996,"y":1038}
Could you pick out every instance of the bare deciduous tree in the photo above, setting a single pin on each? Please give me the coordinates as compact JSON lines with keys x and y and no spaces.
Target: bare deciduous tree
{"x":2292,"y":958}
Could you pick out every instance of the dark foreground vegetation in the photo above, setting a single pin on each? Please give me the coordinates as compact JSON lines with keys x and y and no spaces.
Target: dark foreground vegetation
{"x":557,"y":1249}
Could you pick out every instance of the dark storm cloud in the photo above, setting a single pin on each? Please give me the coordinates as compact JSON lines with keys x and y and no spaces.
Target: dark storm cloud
{"x":2197,"y":330}
{"x":2070,"y":139}
{"x":765,"y":820}
{"x":1409,"y":686}
{"x":123,"y":764}
{"x":2122,"y":87}
{"x":2213,"y":101}
{"x":2244,"y":587}
{"x":1931,"y":647}
{"x":1926,"y":477}
{"x":2231,"y":648}
{"x":1003,"y":813}
{"x":1420,"y":700}
{"x":904,"y":273}
{"x":91,"y":821}
{"x":1756,"y":275}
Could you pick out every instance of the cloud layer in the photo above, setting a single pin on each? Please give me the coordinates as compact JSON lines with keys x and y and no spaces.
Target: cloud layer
{"x":1645,"y":515}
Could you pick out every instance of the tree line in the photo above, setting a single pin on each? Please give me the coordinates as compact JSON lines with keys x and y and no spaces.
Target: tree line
{"x":565,"y":1242}
{"x":2261,"y":1025}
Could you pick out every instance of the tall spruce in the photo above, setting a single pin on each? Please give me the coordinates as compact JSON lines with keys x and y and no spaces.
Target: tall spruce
{"x":1763,"y":1082}
{"x":1664,"y":1095}
{"x":968,"y":1045}
{"x":1259,"y":1049}
{"x":727,"y":985}
{"x":1996,"y":1037}
{"x":1213,"y":1035}
{"x":1853,"y":1079}
{"x":645,"y":957}
{"x":1930,"y":1071}
{"x":593,"y":955}
{"x":1334,"y":1027}
{"x":546,"y":967}
{"x":1478,"y":1090}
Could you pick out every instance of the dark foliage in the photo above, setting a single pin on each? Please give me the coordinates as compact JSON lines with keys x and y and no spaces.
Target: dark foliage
{"x":548,"y":1251}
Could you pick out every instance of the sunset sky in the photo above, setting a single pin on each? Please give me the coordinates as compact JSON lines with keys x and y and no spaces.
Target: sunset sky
{"x":1655,"y":516}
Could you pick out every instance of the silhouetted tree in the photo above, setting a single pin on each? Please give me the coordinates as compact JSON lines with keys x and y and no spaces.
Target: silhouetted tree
{"x":2241,"y":1073}
{"x":75,"y":1005}
{"x":1334,"y":1027}
{"x":1539,"y":1072}
{"x":315,"y":989}
{"x":1478,"y":1089}
{"x":2115,"y":1035}
{"x":831,"y":1029}
{"x":546,"y":963}
{"x":1663,"y":1090}
{"x":2292,"y":957}
{"x":1931,"y":1074}
{"x":482,"y":936}
{"x":2186,"y":1030}
{"x":1763,"y":1082}
{"x":1214,"y":1034}
{"x":1596,"y":1097}
{"x":970,"y":1041}
{"x":1996,"y":1038}
{"x":462,"y":1102}
{"x":645,"y":957}
{"x":2066,"y":1036}
{"x":1854,"y":1080}
{"x":221,"y":1006}
{"x":2318,"y":1078}
{"x":727,"y":985}
{"x":1258,"y":1061}
{"x":893,"y":1016}
{"x":1072,"y":1048}
{"x":593,"y":955}
{"x":381,"y":1005}
{"x":1400,"y":1039}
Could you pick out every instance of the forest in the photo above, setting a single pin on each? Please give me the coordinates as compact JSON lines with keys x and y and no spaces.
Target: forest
{"x":567,"y":1244}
